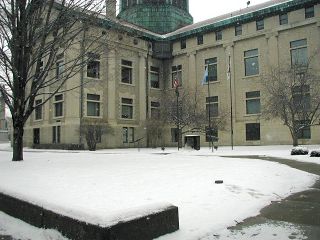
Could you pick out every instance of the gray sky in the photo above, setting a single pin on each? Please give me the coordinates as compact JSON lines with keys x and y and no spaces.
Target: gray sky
{"x":205,"y":9}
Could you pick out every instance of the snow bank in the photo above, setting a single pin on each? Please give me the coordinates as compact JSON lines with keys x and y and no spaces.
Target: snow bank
{"x":104,"y":187}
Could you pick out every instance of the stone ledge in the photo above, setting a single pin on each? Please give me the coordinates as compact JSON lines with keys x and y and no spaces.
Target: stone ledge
{"x":146,"y":227}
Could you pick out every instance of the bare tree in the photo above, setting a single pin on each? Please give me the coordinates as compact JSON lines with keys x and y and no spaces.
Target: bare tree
{"x":93,"y":130}
{"x":293,"y":95}
{"x":34,"y":35}
{"x":192,"y":116}
{"x":155,"y":130}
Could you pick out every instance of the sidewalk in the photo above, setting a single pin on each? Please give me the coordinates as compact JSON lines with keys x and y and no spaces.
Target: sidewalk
{"x":300,"y":210}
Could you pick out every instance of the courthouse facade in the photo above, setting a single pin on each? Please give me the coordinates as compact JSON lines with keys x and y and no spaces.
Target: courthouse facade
{"x":152,"y":43}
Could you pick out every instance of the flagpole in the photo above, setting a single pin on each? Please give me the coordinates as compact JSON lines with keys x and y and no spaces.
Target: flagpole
{"x":209,"y":112}
{"x":231,"y":107}
{"x":176,"y":85}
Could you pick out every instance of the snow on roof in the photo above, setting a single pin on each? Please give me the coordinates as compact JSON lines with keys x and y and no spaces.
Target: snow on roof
{"x":226,"y":16}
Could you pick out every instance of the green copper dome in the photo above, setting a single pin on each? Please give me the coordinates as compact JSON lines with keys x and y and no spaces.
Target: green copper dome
{"x":159,"y":16}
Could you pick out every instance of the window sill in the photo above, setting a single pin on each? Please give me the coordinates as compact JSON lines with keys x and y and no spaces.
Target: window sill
{"x":212,"y":82}
{"x":93,"y":79}
{"x":127,"y":84}
{"x":96,"y":117}
{"x":127,"y":119}
{"x":157,"y":89}
{"x":57,"y":118}
{"x":251,"y":76}
{"x":37,"y":120}
{"x":253,"y":115}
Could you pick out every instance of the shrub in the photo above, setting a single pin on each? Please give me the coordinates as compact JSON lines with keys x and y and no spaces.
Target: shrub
{"x":299,"y":151}
{"x":315,"y":153}
{"x":69,"y":146}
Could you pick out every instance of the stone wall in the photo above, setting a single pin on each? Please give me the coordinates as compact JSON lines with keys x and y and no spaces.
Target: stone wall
{"x":145,"y":227}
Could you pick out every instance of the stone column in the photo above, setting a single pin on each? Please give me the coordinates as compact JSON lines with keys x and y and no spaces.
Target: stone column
{"x":272,"y":50}
{"x":142,"y":87}
{"x":111,"y":83}
{"x":192,"y":76}
{"x":231,"y":92}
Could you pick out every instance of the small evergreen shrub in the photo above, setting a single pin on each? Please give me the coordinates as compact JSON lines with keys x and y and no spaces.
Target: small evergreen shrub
{"x":315,"y":153}
{"x":299,"y":151}
{"x":67,"y":146}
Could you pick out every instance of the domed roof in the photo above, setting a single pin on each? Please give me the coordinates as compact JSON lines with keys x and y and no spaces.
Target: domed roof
{"x":159,"y":16}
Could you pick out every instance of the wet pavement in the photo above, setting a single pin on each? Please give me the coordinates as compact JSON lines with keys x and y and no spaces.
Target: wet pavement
{"x":300,"y":210}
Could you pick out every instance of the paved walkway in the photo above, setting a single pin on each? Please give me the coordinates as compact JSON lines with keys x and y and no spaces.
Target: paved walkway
{"x":302,"y":209}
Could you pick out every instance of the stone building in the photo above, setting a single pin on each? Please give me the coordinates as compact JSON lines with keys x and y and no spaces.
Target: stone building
{"x":3,"y":122}
{"x":2,"y":114}
{"x":157,"y":43}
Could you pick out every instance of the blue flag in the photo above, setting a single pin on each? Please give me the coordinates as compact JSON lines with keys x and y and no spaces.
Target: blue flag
{"x":205,"y":76}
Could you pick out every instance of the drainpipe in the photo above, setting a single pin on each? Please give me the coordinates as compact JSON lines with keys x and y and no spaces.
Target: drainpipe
{"x":147,"y":89}
{"x":82,"y":52}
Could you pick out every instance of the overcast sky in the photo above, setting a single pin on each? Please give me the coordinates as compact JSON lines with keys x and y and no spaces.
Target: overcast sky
{"x":205,"y":9}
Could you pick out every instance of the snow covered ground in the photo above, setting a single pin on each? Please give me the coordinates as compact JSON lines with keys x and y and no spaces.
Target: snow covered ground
{"x":107,"y":186}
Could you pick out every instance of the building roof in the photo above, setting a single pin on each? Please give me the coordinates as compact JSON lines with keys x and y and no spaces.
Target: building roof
{"x":248,"y":14}
{"x":269,"y":8}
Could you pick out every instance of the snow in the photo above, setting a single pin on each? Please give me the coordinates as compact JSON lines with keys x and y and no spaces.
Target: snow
{"x":108,"y":186}
{"x":21,"y":230}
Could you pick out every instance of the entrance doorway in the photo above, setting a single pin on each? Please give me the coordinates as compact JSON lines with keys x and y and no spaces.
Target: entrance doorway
{"x":192,"y":141}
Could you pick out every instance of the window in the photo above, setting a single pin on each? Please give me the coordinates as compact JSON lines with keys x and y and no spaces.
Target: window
{"x":200,"y":39}
{"x":128,"y":134}
{"x":93,"y":66}
{"x":154,"y":77}
{"x":309,"y":12}
{"x":218,"y":35}
{"x":251,"y":62}
{"x":183,"y":43}
{"x":38,"y":109}
{"x":283,"y":19}
{"x":127,"y":108}
{"x":238,"y":30}
{"x":305,"y":131}
{"x":60,"y":66}
{"x":177,"y":74}
{"x":211,"y":134}
{"x":174,"y":135}
{"x":260,"y":24}
{"x":58,"y":105}
{"x":253,"y":102}
{"x":36,"y":136}
{"x":155,"y":110}
{"x":212,"y":66}
{"x":126,"y":71}
{"x":212,"y":106}
{"x":253,"y":131}
{"x":93,"y":105}
{"x":299,"y":53}
{"x":301,"y":98}
{"x":56,"y":134}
